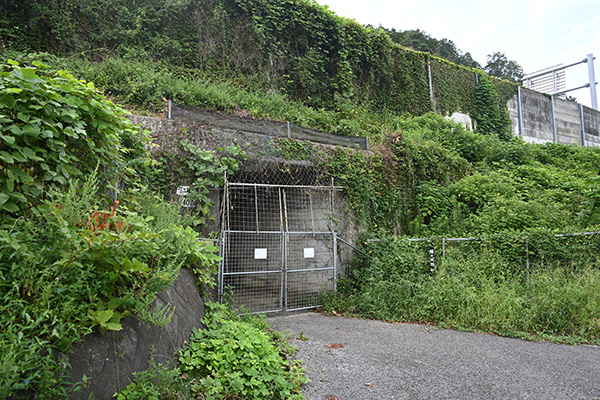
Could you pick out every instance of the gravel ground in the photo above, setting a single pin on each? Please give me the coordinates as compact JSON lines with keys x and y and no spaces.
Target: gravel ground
{"x":355,"y":359}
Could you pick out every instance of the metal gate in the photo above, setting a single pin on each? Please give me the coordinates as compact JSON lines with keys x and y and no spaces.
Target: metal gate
{"x":278,"y":247}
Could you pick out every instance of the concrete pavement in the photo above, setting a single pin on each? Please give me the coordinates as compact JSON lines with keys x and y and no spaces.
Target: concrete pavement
{"x":355,"y":359}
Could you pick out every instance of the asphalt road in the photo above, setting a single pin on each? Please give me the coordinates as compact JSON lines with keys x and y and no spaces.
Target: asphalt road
{"x":355,"y":359}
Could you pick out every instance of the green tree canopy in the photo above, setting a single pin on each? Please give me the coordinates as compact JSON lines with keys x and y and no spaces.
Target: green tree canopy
{"x":419,"y":40}
{"x":500,"y":66}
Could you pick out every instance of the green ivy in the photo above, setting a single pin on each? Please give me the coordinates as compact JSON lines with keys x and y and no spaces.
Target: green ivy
{"x":492,"y":115}
{"x":297,"y":48}
{"x":186,"y":164}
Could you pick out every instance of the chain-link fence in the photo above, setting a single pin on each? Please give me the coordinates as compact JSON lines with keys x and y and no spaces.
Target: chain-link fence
{"x":520,"y":254}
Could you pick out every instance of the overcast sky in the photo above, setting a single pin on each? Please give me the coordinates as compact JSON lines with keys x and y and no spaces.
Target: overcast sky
{"x":535,"y":33}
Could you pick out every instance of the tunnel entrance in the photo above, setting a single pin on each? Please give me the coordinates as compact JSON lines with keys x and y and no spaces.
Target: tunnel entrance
{"x":278,"y":246}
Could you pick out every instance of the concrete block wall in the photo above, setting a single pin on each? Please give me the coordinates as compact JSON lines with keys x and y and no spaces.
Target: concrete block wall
{"x":568,"y":122}
{"x":538,"y":124}
{"x":536,"y":110}
{"x":592,"y":126}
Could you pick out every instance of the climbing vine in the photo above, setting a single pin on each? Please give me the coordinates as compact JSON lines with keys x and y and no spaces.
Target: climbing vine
{"x":454,"y":87}
{"x":492,"y":116}
{"x":294,"y":47}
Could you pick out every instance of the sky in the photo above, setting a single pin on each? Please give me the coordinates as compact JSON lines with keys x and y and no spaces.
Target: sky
{"x":535,"y":33}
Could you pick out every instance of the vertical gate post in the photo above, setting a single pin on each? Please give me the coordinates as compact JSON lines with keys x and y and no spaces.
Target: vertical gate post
{"x":221,"y":266}
{"x":283,"y":301}
{"x":335,"y":261}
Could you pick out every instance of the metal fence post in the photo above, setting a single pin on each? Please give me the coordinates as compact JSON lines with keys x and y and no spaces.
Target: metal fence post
{"x":520,"y":110}
{"x":431,"y":91}
{"x":527,"y":252}
{"x":221,"y":266}
{"x":284,"y":283}
{"x":335,"y":261}
{"x":582,"y":125}
{"x":431,"y":259}
{"x":592,"y":75}
{"x":554,"y":134}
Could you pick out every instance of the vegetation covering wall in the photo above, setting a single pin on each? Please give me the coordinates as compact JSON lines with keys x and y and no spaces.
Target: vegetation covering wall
{"x":294,"y":47}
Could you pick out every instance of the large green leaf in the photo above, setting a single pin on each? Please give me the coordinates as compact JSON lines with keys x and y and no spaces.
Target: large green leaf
{"x":7,"y":158}
{"x":29,"y":74}
{"x":19,"y":197}
{"x":8,"y":139}
{"x":9,"y":206}
{"x":7,"y":100}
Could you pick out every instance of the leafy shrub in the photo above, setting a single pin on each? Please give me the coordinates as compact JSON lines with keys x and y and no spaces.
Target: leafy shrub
{"x":53,"y":128}
{"x":234,"y":358}
{"x":157,"y":382}
{"x":70,"y":265}
{"x":74,"y":260}
{"x":484,"y":285}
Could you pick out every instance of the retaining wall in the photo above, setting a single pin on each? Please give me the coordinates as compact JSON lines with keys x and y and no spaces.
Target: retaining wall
{"x":540,"y":118}
{"x":111,"y":358}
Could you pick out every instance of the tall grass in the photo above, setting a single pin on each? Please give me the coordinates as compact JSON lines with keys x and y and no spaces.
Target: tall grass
{"x":477,"y":291}
{"x":145,"y":85}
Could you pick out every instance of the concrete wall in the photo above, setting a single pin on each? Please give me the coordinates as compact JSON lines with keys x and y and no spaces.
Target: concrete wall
{"x":592,"y":127}
{"x":540,"y":125}
{"x":110,"y":359}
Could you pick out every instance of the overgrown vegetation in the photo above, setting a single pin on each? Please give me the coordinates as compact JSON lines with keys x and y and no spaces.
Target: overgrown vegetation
{"x":234,"y":357}
{"x":435,"y":179}
{"x":484,"y":286}
{"x":297,"y":49}
{"x":74,"y":259}
{"x":53,"y":128}
{"x":71,"y":265}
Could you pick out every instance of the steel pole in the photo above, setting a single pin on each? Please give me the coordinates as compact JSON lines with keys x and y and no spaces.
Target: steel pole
{"x":520,"y":109}
{"x":581,"y":116}
{"x":590,"y":63}
{"x":554,"y":133}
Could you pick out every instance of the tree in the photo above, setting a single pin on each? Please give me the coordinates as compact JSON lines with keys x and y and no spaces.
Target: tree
{"x":500,"y":66}
{"x":419,"y":40}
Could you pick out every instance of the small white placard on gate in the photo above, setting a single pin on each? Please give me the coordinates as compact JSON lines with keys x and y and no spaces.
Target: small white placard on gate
{"x":260,"y":254}
{"x":309,"y":252}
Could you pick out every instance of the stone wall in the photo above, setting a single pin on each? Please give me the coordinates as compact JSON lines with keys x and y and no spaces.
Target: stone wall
{"x":110,"y":359}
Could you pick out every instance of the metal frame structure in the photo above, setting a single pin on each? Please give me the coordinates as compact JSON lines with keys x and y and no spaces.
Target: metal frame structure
{"x":558,"y":75}
{"x":279,"y":248}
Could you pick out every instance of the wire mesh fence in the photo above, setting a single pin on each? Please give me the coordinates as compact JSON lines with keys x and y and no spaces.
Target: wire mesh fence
{"x":520,"y":254}
{"x":279,"y":246}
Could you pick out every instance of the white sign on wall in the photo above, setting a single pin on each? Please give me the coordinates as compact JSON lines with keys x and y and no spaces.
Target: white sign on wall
{"x":260,"y":254}
{"x":309,"y":252}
